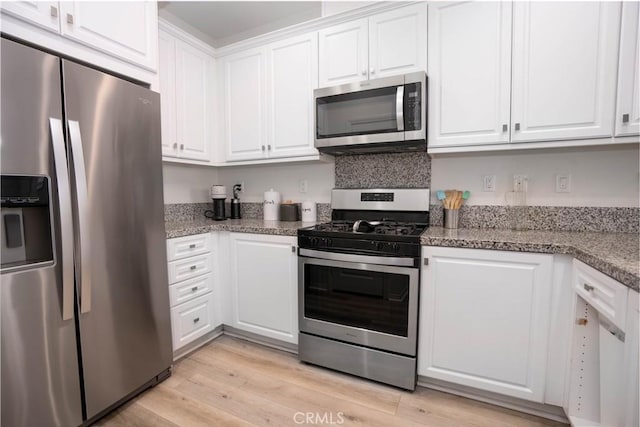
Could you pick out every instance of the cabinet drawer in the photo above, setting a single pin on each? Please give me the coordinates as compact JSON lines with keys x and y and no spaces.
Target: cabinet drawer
{"x":606,"y":295}
{"x":190,"y":289}
{"x":191,"y":320}
{"x":187,"y":246}
{"x":190,"y":267}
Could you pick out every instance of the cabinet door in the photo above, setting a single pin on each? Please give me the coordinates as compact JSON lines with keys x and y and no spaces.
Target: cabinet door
{"x":343,"y":52}
{"x":564,"y":70}
{"x":192,"y":106}
{"x":245,"y":96}
{"x":628,"y":108}
{"x":124,"y":29}
{"x":192,"y":320}
{"x":469,"y":77}
{"x":484,"y":318}
{"x":44,"y":14}
{"x":398,"y":41}
{"x":264,"y":282}
{"x":167,"y":76}
{"x":292,"y":76}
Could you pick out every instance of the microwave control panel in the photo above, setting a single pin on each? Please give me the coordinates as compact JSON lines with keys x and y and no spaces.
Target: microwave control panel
{"x":412,"y":106}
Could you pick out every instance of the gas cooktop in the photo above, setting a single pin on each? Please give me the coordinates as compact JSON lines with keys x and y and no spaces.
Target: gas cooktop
{"x":372,"y":222}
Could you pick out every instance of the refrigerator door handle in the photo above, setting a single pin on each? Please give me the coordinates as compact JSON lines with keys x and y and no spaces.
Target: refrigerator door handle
{"x":80,"y":176}
{"x":66,"y":224}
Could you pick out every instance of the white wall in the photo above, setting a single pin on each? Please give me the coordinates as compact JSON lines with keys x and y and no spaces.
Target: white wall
{"x":284,"y":178}
{"x":606,"y":176}
{"x":600,"y":177}
{"x":187,"y":183}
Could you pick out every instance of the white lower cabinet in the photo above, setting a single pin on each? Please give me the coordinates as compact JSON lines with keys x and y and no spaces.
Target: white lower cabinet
{"x":191,"y":288}
{"x":484,"y":320}
{"x":192,"y":320}
{"x":264,"y":285}
{"x":603,"y":384}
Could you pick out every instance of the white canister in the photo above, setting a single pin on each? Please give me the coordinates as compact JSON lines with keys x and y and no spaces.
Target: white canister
{"x":271,"y":205}
{"x":309,"y":212}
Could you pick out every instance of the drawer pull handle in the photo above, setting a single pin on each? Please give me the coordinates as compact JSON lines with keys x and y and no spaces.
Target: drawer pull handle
{"x":192,"y":246}
{"x":196,"y":320}
{"x":588,"y":287}
{"x":195,"y":288}
{"x":193,"y":267}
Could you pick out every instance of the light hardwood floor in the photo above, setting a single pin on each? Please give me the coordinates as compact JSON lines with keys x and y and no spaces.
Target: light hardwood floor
{"x":232,"y":382}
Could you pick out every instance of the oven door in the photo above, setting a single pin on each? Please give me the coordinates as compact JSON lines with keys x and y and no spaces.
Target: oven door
{"x":362,"y":303}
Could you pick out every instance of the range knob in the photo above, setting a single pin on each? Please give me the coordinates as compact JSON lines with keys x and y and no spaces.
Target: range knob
{"x":379,"y":246}
{"x":395,"y":247}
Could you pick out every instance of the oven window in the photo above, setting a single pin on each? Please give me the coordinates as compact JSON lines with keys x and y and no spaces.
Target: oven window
{"x":357,"y":113}
{"x":371,"y":300}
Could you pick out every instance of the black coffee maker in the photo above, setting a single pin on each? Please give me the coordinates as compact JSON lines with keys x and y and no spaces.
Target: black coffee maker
{"x":218,"y":195}
{"x":235,"y":202}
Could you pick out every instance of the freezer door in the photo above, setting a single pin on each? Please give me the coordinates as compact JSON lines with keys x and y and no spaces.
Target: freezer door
{"x":121,"y":266}
{"x":39,"y":367}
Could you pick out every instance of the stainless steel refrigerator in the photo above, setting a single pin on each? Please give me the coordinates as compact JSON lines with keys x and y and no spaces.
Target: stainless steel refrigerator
{"x":84,"y":296}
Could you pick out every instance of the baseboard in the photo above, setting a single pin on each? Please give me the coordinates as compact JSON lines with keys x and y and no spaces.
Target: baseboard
{"x":182,"y":352}
{"x":259,"y":339}
{"x":550,"y":412}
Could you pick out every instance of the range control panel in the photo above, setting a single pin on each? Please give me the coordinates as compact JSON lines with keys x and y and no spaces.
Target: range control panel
{"x":376,"y":197}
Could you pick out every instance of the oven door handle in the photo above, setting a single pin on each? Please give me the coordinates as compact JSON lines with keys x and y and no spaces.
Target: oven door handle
{"x":365,"y":259}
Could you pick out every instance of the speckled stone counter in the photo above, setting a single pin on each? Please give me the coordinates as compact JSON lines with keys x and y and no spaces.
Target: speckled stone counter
{"x":258,"y":226}
{"x":614,"y":254}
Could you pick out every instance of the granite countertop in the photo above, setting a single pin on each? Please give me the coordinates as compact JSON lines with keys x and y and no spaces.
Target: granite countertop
{"x":615,"y":254}
{"x":258,"y":226}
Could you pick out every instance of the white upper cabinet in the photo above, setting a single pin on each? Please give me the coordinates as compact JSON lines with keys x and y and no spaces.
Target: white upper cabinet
{"x":398,"y":41}
{"x":628,"y":108}
{"x":269,"y":100}
{"x":120,"y":36}
{"x":484,"y":320}
{"x":292,"y":75}
{"x":44,"y":14}
{"x":186,"y":81}
{"x":167,"y":76}
{"x":564,"y":70}
{"x":127,"y":30}
{"x":469,"y":73}
{"x":344,"y":53}
{"x":385,"y":44}
{"x":193,"y":111}
{"x":245,"y":99}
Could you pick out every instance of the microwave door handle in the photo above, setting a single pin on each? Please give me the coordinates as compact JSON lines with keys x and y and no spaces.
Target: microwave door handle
{"x":77,"y":157}
{"x":66,"y":224}
{"x":400,"y":108}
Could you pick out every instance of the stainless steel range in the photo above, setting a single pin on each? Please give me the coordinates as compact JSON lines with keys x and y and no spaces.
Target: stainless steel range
{"x":359,"y":282}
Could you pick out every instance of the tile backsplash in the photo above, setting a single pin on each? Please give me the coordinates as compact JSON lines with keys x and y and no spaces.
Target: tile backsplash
{"x":394,"y":170}
{"x":549,"y":218}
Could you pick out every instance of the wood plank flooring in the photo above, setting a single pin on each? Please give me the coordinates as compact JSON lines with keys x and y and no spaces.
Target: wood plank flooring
{"x":232,"y":382}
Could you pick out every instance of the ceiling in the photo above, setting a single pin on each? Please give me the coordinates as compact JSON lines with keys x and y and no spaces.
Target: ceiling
{"x":226,"y":22}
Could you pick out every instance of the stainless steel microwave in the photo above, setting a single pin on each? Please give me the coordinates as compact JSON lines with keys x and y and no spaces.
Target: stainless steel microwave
{"x":372,"y":116}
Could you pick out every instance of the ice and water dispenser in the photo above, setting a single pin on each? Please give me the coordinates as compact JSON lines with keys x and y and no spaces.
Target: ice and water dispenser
{"x":25,"y":231}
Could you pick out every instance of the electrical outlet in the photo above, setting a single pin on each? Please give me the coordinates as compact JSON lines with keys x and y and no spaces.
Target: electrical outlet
{"x":563,"y":183}
{"x":304,"y":186}
{"x":489,"y":183}
{"x":520,"y":182}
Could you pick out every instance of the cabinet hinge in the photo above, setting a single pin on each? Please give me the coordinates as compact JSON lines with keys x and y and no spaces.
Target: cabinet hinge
{"x":425,"y":261}
{"x":293,"y":249}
